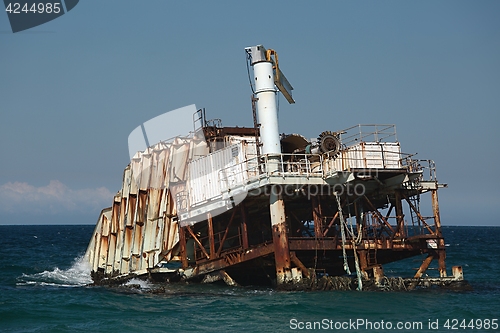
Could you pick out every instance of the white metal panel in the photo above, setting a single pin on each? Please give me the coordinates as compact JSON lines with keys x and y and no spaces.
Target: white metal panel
{"x":373,"y":158}
{"x":217,"y":172}
{"x":157,"y":166}
{"x":127,"y":174}
{"x":233,"y":172}
{"x":198,"y":149}
{"x":178,"y":163}
{"x":366,"y":155}
{"x":145,"y":169}
{"x":392,"y":155}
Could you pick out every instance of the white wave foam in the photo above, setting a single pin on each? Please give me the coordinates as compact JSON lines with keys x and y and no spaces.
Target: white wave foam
{"x":76,"y":276}
{"x":143,"y":284}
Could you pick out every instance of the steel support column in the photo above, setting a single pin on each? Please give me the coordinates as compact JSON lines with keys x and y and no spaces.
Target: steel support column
{"x":182,"y":244}
{"x":280,"y":236}
{"x":316,"y":209}
{"x":400,"y":217}
{"x":244,"y":229}
{"x":441,"y":246}
{"x":211,"y":240}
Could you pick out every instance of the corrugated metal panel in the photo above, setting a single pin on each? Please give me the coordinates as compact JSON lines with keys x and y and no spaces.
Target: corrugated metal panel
{"x":166,"y":165}
{"x":95,"y":249}
{"x":114,"y":231}
{"x":127,"y":245}
{"x":158,"y":166}
{"x":120,"y":236}
{"x":170,"y":231}
{"x":154,"y":201}
{"x":104,"y":241}
{"x":127,"y":173}
{"x":202,"y":180}
{"x":131,"y":210}
{"x":95,"y":243}
{"x":111,"y":253}
{"x":234,"y":173}
{"x":138,"y":228}
{"x":392,"y":155}
{"x":135,"y":165}
{"x":373,"y":157}
{"x":178,"y":163}
{"x":251,"y":158}
{"x":135,"y":263}
{"x":367,"y":155}
{"x":145,"y":170}
{"x":152,"y":219}
{"x":198,"y":148}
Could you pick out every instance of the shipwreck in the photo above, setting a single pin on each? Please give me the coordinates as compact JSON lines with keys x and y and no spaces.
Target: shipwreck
{"x":248,"y":205}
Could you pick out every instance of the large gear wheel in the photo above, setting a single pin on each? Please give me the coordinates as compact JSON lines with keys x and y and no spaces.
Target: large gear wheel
{"x":329,"y":142}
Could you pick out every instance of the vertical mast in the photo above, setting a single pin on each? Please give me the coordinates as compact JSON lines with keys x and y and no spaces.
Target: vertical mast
{"x":265,"y":93}
{"x":264,"y":69}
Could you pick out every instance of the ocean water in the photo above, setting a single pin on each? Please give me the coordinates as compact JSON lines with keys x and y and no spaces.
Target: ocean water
{"x":43,"y":288}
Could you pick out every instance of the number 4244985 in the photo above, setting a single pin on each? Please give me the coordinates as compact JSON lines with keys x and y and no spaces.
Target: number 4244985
{"x":485,"y":324}
{"x":35,"y":8}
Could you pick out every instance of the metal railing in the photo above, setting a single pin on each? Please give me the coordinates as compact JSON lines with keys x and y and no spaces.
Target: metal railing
{"x":308,"y":165}
{"x":368,"y":133}
{"x":427,"y":167}
{"x":229,"y":243}
{"x":282,"y":165}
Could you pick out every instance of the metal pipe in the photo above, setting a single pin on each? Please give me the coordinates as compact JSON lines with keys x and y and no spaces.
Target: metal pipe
{"x":267,"y":110}
{"x":266,"y":107}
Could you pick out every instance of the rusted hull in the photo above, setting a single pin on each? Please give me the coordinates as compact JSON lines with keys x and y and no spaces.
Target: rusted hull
{"x":299,"y":222}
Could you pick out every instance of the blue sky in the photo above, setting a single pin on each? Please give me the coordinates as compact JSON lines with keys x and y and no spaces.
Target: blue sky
{"x":72,"y":90}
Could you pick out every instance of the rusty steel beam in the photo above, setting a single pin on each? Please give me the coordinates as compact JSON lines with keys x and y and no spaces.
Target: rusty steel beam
{"x":442,"y":259}
{"x":244,"y":229}
{"x":299,"y":264}
{"x":182,"y":244}
{"x":441,"y":244}
{"x":225,"y":234}
{"x":211,"y":239}
{"x":330,"y":224}
{"x":360,"y":223}
{"x":308,"y":243}
{"x":420,"y":217}
{"x":223,"y":262}
{"x":316,"y":212}
{"x":400,"y":232}
{"x":188,"y":228}
{"x":389,"y":211}
{"x":301,"y":223}
{"x":380,"y":217}
{"x":331,"y":243}
{"x":363,"y":260}
{"x":227,"y":278}
{"x":425,"y":264}
{"x":435,"y":211}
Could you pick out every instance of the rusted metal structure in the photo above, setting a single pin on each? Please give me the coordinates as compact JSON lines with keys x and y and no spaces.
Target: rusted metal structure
{"x":251,"y":206}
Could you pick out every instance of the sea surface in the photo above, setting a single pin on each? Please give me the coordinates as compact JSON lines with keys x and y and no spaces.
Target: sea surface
{"x":44,"y":288}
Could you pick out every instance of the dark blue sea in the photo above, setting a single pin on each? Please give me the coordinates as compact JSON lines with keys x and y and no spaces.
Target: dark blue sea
{"x":43,"y":288}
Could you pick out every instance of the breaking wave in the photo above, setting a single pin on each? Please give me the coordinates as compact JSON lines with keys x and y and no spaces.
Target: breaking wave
{"x":139,"y":283}
{"x":77,"y":275}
